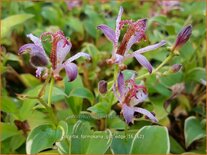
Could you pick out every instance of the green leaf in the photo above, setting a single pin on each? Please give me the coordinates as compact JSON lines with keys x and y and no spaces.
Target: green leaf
{"x":172,"y":79}
{"x":122,"y":142}
{"x":160,"y":19}
{"x":75,"y":103}
{"x":153,"y":84}
{"x":187,"y":51}
{"x":175,"y":147}
{"x":79,"y":144}
{"x":50,"y":152}
{"x":104,"y":139}
{"x":17,"y":141}
{"x":195,"y":74}
{"x":8,"y":23}
{"x":8,"y":130}
{"x":42,"y":137}
{"x":57,"y":93}
{"x":64,"y":146}
{"x":9,"y":105}
{"x":193,"y":130}
{"x":90,"y":28}
{"x":115,"y":122}
{"x":51,"y":14}
{"x":151,"y":140}
{"x":29,"y":80}
{"x":82,"y":93}
{"x":102,"y":109}
{"x":76,"y":25}
{"x":69,"y":86}
{"x":84,"y":140}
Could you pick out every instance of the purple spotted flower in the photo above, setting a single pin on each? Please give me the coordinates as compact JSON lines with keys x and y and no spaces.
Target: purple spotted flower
{"x":60,"y":48}
{"x":134,"y":34}
{"x":129,"y":95}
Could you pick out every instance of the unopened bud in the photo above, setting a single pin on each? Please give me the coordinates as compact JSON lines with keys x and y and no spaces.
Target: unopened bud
{"x":176,"y":68}
{"x":182,"y":38}
{"x":102,"y":86}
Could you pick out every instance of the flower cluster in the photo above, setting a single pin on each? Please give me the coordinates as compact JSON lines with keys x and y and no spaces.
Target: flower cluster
{"x":60,"y":48}
{"x":134,"y":34}
{"x":129,"y":95}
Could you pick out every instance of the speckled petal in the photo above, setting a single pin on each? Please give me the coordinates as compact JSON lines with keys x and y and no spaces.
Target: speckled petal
{"x":150,"y":47}
{"x":121,"y":83}
{"x":118,"y":20}
{"x":35,"y":40}
{"x":108,"y":32}
{"x":71,"y":71}
{"x":146,"y":113}
{"x":78,"y":55}
{"x":143,"y":61}
{"x":63,"y":48}
{"x":38,"y":57}
{"x":128,"y":113}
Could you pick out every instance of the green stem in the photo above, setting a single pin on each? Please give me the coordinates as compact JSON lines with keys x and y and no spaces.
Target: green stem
{"x":116,"y":70}
{"x":50,"y":92}
{"x":42,"y":91}
{"x":50,"y":111}
{"x":158,"y":68}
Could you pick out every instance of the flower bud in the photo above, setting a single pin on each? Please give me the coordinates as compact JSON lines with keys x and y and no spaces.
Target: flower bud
{"x":176,"y":68}
{"x":182,"y":38}
{"x":102,"y":86}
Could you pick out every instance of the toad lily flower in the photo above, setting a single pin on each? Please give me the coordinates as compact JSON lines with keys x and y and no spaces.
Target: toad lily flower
{"x":60,"y":48}
{"x":129,"y":95}
{"x":134,"y":34}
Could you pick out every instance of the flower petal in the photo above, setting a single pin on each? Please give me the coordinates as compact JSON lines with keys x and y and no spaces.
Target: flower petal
{"x":146,"y":113}
{"x":128,"y":113}
{"x":71,"y":71}
{"x":118,"y":58}
{"x":38,"y":60}
{"x":35,"y":40}
{"x":139,"y":34}
{"x":118,"y":20}
{"x":26,"y":48}
{"x":38,"y":57}
{"x":63,"y":49}
{"x":150,"y":47}
{"x":39,"y":71}
{"x":139,"y":98}
{"x":108,"y":32}
{"x":121,"y":83}
{"x":143,"y":61}
{"x":115,"y":93}
{"x":76,"y":56}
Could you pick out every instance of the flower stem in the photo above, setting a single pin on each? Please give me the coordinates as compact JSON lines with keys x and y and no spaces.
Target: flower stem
{"x":50,"y":111}
{"x":158,"y":68}
{"x":116,"y":70}
{"x":50,"y":91}
{"x":42,"y":91}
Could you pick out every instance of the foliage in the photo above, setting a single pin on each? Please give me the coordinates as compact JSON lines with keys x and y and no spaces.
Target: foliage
{"x":80,"y":119}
